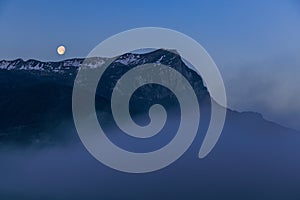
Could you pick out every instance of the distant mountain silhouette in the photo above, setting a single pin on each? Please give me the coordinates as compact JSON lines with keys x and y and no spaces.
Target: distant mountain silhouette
{"x":36,"y":96}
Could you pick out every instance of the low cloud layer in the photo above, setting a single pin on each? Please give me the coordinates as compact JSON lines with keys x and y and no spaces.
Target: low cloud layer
{"x":270,"y":87}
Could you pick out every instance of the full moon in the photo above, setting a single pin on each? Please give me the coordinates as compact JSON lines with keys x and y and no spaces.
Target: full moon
{"x":61,"y":50}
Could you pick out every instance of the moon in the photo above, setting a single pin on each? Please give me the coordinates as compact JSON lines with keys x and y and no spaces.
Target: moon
{"x":61,"y":50}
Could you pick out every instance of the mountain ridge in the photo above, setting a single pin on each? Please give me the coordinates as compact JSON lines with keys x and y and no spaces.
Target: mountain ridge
{"x":37,"y":100}
{"x":76,"y":62}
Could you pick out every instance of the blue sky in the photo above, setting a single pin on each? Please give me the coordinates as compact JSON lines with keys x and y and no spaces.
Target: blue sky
{"x":33,"y":29}
{"x":255,"y":44}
